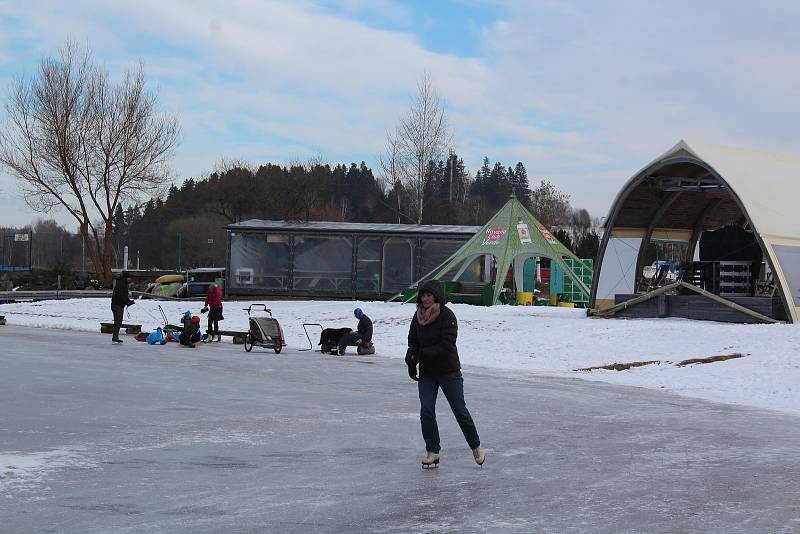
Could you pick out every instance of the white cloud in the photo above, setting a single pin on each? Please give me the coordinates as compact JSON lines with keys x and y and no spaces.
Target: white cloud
{"x":584,"y":93}
{"x":639,"y":76}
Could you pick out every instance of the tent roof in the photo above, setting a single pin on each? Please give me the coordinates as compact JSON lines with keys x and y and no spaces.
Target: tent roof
{"x":766,"y":183}
{"x":511,"y":232}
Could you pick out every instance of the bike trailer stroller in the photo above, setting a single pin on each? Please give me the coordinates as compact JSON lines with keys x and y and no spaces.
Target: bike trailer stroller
{"x":264,"y":331}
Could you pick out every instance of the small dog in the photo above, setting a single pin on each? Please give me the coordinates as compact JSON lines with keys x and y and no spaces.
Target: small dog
{"x":329,"y":338}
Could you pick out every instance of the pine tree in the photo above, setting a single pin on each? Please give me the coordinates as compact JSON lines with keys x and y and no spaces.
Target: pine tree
{"x":521,"y":186}
{"x":563,"y":236}
{"x":486,"y":170}
{"x":118,"y":221}
{"x":119,"y":232}
{"x":499,"y":186}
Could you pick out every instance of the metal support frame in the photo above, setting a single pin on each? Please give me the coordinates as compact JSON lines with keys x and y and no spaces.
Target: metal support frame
{"x":698,"y":227}
{"x":648,"y":234}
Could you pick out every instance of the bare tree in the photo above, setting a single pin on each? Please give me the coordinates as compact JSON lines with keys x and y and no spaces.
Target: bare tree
{"x":48,"y":245}
{"x":421,"y":136}
{"x":550,"y":205}
{"x":580,"y":224}
{"x":75,"y":140}
{"x":393,"y":170}
{"x":236,"y":184}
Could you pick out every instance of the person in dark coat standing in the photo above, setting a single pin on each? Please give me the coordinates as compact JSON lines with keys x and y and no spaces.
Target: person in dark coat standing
{"x":432,"y":346}
{"x":119,"y":299}
{"x":362,"y":335}
{"x":213,"y":305}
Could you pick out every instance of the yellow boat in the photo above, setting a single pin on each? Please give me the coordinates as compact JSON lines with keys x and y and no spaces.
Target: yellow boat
{"x":170,"y":279}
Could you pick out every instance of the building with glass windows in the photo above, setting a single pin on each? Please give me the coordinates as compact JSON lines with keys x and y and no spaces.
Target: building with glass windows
{"x":335,"y":259}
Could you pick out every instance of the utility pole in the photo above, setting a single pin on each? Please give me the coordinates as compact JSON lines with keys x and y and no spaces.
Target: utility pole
{"x":397,"y":194}
{"x":452,"y":164}
{"x":179,"y":252}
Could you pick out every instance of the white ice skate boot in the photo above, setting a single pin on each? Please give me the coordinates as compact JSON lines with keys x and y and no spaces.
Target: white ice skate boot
{"x":431,"y":460}
{"x":479,"y":454}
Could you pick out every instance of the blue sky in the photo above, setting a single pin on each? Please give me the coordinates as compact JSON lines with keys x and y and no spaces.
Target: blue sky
{"x":584,"y":93}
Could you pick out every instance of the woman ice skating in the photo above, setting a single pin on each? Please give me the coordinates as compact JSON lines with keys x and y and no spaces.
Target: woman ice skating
{"x":213,"y":305}
{"x":432,"y":346}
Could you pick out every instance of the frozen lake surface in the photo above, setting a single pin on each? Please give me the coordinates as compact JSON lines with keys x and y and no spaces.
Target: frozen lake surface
{"x":134,"y":438}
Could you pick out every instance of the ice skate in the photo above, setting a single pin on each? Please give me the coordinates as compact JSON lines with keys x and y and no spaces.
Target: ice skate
{"x":116,"y":341}
{"x":431,"y":460}
{"x":479,"y":454}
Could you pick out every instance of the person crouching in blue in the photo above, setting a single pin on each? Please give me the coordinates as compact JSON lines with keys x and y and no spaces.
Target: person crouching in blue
{"x":362,"y":334}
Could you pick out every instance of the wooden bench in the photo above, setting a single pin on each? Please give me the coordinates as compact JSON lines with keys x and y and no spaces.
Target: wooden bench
{"x":108,"y":328}
{"x":238,"y":337}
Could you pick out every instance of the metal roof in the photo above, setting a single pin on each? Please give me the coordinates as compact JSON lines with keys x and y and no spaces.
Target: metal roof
{"x":351,"y":227}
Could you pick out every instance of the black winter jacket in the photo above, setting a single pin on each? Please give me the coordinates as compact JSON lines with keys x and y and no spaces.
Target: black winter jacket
{"x":435,"y":344}
{"x":119,"y":297}
{"x":365,"y":328}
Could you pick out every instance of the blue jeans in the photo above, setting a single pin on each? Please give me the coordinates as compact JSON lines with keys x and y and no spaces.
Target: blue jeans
{"x":452,"y":385}
{"x":349,"y":338}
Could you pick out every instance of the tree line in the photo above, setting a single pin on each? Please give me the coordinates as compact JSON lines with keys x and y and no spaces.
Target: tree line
{"x":186,"y":226}
{"x":100,"y":151}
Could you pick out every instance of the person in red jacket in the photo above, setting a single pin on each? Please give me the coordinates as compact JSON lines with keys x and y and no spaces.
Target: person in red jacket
{"x":213,"y":305}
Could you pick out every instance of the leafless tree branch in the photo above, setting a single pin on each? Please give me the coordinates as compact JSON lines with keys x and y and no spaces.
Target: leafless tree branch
{"x":421,"y":136}
{"x":76,"y":140}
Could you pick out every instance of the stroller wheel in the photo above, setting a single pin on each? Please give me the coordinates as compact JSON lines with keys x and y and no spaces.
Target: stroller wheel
{"x":248,"y":342}
{"x":278,"y":346}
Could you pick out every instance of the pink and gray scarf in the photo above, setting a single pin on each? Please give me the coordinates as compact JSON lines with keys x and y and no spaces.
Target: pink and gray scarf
{"x":426,"y":316}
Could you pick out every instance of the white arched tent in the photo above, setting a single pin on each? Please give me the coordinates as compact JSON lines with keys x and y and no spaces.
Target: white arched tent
{"x":694,"y":187}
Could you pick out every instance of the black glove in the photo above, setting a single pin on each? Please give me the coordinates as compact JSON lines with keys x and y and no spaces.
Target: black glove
{"x":411,"y":358}
{"x":205,"y":309}
{"x":412,"y":372}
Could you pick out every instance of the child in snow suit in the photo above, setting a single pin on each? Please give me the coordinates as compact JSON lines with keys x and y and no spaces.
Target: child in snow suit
{"x":191,"y":330}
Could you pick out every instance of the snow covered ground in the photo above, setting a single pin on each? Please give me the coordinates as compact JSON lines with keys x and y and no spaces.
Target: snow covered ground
{"x":537,"y":340}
